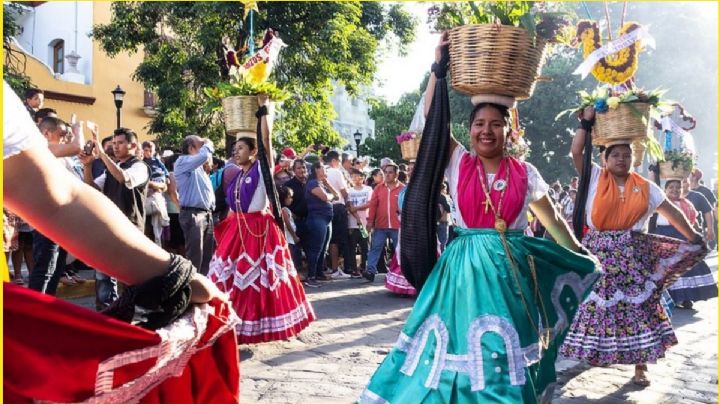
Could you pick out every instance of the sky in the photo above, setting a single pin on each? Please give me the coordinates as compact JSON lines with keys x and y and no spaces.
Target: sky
{"x":398,"y":75}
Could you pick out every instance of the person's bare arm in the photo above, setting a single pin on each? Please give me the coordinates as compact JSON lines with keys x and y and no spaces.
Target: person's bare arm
{"x":86,"y":223}
{"x":263,"y":100}
{"x":430,"y":89}
{"x":678,"y":220}
{"x":544,"y":209}
{"x":578,"y":142}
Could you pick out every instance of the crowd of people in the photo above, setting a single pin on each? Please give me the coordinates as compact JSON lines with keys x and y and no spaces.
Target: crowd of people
{"x":263,"y":226}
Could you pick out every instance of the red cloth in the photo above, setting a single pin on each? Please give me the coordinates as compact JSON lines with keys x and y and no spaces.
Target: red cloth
{"x":54,"y":350}
{"x":471,"y":197}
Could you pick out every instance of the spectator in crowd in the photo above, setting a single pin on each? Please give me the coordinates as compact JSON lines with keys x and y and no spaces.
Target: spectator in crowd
{"x":339,"y":239}
{"x":282,"y":169}
{"x":704,"y":208}
{"x":48,"y":256}
{"x":383,"y":218}
{"x":319,"y":194}
{"x":697,"y":186}
{"x":347,"y":164}
{"x":125,"y":183}
{"x":574,"y":183}
{"x":385,"y":161}
{"x":444,"y":217}
{"x":376,"y":177}
{"x":34,"y":99}
{"x":286,"y":194}
{"x":298,"y":205}
{"x":98,"y":166}
{"x":174,"y":240}
{"x":403,"y":177}
{"x":569,"y":206}
{"x":43,"y":113}
{"x":156,"y":216}
{"x":197,"y":200}
{"x":359,"y":196}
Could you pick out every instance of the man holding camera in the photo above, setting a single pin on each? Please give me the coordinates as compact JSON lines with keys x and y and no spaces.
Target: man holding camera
{"x":124,"y":182}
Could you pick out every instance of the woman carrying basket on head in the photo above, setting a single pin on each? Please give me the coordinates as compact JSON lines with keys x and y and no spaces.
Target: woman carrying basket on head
{"x":622,"y":321}
{"x":252,"y":262}
{"x":697,"y":283}
{"x":488,"y":319}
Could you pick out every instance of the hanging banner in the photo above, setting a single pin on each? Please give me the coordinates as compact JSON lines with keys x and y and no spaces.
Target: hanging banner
{"x":640,"y":34}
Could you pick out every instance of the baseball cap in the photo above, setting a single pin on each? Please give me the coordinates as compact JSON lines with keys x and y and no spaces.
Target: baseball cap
{"x":290,"y":153}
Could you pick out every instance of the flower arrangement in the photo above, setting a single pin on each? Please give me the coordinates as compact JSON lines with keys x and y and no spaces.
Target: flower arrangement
{"x":405,"y":136}
{"x":550,"y":21}
{"x":684,"y":159}
{"x":604,"y":99}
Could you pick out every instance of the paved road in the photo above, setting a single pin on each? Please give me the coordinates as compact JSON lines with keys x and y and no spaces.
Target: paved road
{"x":333,"y":359}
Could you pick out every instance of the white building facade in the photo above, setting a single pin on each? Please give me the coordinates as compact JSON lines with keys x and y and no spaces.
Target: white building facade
{"x":353,"y":115}
{"x":54,"y":32}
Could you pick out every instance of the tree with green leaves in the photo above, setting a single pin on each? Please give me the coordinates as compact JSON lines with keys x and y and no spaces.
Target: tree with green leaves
{"x":14,"y":62}
{"x":183,"y":47}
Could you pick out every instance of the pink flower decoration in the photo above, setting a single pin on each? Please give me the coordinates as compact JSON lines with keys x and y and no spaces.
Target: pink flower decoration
{"x":405,"y":136}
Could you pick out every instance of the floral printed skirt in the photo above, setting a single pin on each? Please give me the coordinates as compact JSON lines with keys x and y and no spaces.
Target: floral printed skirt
{"x":697,"y":283}
{"x":622,"y":321}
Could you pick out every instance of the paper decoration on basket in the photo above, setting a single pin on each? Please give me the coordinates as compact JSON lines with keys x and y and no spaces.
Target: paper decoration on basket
{"x":617,"y":61}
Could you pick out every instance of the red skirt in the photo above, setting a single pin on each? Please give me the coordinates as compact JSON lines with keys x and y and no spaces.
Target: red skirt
{"x":60,"y":352}
{"x":253,"y":265}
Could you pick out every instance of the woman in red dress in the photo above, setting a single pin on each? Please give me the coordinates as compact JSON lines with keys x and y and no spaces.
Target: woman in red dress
{"x":252,"y":262}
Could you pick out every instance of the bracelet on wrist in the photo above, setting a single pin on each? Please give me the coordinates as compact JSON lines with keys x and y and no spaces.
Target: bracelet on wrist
{"x":586,"y":124}
{"x":262,"y":111}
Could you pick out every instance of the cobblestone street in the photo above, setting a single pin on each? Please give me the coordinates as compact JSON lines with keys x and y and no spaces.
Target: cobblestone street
{"x":357,"y":324}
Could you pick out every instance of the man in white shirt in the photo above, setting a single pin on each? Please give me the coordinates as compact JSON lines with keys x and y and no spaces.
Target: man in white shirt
{"x":125,"y":183}
{"x":339,"y":239}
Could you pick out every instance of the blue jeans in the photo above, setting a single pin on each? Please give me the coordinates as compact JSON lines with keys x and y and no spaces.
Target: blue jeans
{"x":379,"y":236}
{"x":317,"y":238}
{"x":49,"y":265}
{"x":106,"y":290}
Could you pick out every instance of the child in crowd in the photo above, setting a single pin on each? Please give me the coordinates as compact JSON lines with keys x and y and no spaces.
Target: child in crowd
{"x":286,"y":197}
{"x":359,"y":196}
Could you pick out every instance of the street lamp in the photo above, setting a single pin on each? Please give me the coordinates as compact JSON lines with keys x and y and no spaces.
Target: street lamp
{"x":118,"y":95}
{"x":358,"y":137}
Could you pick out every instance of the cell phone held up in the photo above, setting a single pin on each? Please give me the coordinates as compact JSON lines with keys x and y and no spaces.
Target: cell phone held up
{"x":88,"y":148}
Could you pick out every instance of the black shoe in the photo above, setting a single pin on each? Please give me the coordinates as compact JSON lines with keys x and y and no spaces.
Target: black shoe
{"x":356,"y":275}
{"x":323,"y":277}
{"x":369,"y":276}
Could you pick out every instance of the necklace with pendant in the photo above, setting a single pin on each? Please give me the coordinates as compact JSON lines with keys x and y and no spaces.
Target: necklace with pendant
{"x":498,"y":185}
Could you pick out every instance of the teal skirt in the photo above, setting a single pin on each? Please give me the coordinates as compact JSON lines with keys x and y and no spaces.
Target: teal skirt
{"x":474,"y":334}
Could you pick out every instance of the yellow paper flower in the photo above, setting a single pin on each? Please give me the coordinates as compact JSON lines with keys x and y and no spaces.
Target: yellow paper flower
{"x":613,"y":102}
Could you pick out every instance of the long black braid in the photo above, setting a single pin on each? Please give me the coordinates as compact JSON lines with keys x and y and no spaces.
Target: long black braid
{"x":418,"y":235}
{"x":266,"y":173}
{"x":583,"y":185}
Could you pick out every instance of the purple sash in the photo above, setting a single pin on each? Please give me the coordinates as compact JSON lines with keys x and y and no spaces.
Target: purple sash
{"x":247,"y":188}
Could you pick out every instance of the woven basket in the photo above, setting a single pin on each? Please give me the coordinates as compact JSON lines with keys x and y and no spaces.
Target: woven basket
{"x":495,"y":59}
{"x":409,"y":148}
{"x":623,"y":122}
{"x":668,"y":172}
{"x":239,"y":112}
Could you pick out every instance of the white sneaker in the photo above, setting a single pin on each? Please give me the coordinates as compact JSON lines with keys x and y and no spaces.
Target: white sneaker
{"x":339,"y":274}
